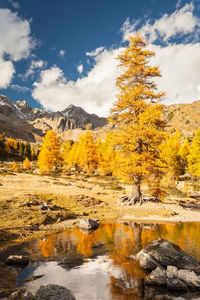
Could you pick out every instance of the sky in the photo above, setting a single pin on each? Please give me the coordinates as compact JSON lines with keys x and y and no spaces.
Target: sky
{"x":57,"y":53}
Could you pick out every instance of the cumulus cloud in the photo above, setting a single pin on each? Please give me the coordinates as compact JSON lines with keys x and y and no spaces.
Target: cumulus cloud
{"x":34,"y":65}
{"x":129,"y":28}
{"x":95,"y":52}
{"x":94,"y":92}
{"x":180,"y":23}
{"x":16,"y":43}
{"x":62,"y":53}
{"x":80,"y":68}
{"x":7,"y":71}
{"x":180,"y":68}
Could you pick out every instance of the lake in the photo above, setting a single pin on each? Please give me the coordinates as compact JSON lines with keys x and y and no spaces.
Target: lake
{"x":100,"y":265}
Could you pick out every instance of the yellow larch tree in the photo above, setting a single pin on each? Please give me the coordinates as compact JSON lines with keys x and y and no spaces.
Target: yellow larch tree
{"x":184,"y":152}
{"x":26,"y":163}
{"x":88,"y":158}
{"x":106,"y":154}
{"x":66,"y":155}
{"x":49,"y":155}
{"x":171,"y":154}
{"x":194,"y":156}
{"x":15,"y":167}
{"x":137,"y":116}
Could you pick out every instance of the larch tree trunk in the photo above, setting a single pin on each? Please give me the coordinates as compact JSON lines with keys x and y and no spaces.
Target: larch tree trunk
{"x":136,"y":195}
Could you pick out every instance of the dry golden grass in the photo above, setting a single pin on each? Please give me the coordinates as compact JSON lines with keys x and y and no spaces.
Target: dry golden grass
{"x":75,"y":196}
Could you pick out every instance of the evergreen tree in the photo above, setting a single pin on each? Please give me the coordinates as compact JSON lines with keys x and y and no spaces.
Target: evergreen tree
{"x":137,"y":116}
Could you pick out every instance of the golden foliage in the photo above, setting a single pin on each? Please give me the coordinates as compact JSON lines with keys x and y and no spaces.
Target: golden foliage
{"x":87,"y":153}
{"x":137,"y":115}
{"x":171,"y":154}
{"x":194,"y":156}
{"x":15,"y":167}
{"x":26,"y":163}
{"x":65,"y":152}
{"x":106,"y":154}
{"x":50,"y":153}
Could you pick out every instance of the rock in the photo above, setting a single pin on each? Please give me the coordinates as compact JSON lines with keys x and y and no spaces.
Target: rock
{"x":44,"y":206}
{"x":171,"y":272}
{"x":28,"y":296}
{"x":3,"y":295}
{"x":173,"y":278}
{"x":170,"y":266}
{"x":190,"y":278}
{"x":162,"y":253}
{"x":36,"y":172}
{"x":17,"y":294}
{"x":89,"y":224}
{"x":18,"y":260}
{"x":53,"y":292}
{"x":157,"y":276}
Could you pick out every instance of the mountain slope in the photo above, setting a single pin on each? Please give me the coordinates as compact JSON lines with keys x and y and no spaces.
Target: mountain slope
{"x":21,"y":121}
{"x":184,"y":117}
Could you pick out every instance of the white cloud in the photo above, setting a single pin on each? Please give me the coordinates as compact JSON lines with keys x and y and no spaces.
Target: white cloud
{"x":180,"y":23}
{"x":7,"y":71}
{"x":178,"y":4}
{"x":180,"y":68}
{"x":16,"y":43}
{"x":80,"y":68}
{"x":129,"y":29}
{"x":62,"y":53}
{"x":95,"y":52}
{"x":15,"y":37}
{"x":14,"y":4}
{"x":34,"y":65}
{"x":94,"y":92}
{"x":19,"y":88}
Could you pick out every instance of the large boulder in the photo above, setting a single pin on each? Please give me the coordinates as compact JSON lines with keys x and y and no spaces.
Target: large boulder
{"x":18,"y":260}
{"x":53,"y":292}
{"x":88,"y":224}
{"x":173,"y":278}
{"x":162,"y":253}
{"x":170,"y":266}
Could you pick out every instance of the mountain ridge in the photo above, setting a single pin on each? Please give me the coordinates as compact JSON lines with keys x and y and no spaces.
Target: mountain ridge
{"x":18,"y":119}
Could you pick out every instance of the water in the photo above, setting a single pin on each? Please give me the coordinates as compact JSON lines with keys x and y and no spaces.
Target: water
{"x":99,"y":266}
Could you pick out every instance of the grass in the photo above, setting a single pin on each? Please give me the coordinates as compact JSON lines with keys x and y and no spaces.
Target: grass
{"x":72,"y":196}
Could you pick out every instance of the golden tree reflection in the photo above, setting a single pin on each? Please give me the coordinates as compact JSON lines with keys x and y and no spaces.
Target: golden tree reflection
{"x":120,"y":242}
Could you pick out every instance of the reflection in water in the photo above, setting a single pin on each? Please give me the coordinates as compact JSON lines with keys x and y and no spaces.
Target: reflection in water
{"x":100,"y":264}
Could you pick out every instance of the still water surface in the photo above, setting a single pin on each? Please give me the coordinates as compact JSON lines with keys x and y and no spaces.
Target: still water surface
{"x":100,"y":265}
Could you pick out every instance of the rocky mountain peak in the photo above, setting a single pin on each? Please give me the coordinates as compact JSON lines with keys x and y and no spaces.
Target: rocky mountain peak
{"x":5,"y":100}
{"x":23,"y":104}
{"x":20,"y":120}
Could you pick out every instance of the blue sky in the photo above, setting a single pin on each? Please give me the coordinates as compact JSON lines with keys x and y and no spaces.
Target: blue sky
{"x":57,"y":53}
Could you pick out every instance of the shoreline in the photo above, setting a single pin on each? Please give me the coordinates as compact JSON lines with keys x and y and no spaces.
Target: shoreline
{"x":94,"y":198}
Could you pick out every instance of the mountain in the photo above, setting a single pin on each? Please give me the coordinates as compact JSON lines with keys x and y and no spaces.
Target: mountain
{"x":21,"y":121}
{"x":184,"y":117}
